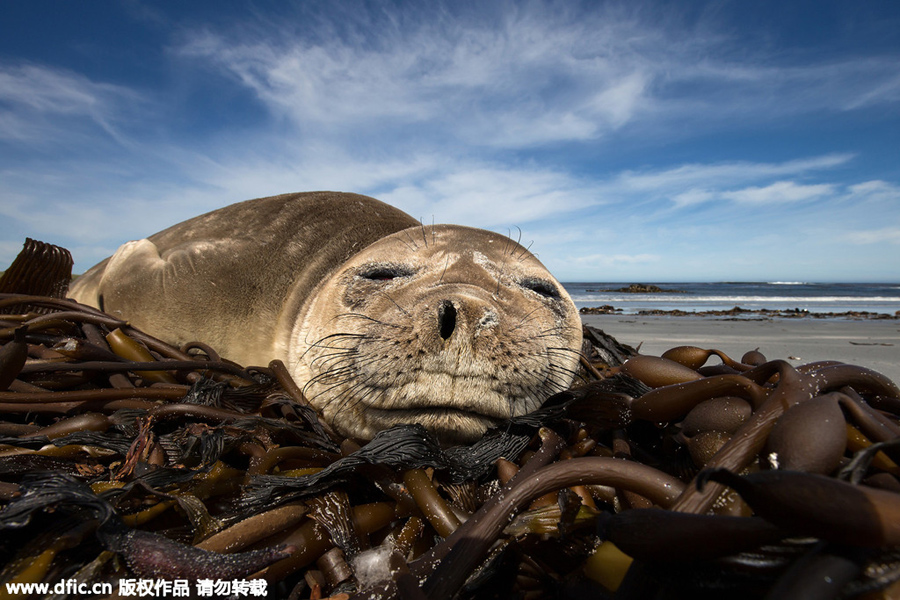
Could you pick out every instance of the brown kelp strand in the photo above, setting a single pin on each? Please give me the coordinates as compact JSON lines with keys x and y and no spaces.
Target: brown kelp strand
{"x":725,"y":414}
{"x":217,"y":470}
{"x":863,"y":460}
{"x":810,"y":436}
{"x":694,"y":358}
{"x":430,"y":502}
{"x":818,"y":506}
{"x":130,"y":349}
{"x":13,"y":356}
{"x":254,"y":528}
{"x":451,"y":572}
{"x":657,"y":371}
{"x":749,"y":440}
{"x":651,"y":534}
{"x":550,"y":446}
{"x":312,"y":540}
{"x":55,"y":304}
{"x":151,"y":555}
{"x":136,"y":366}
{"x":821,"y":574}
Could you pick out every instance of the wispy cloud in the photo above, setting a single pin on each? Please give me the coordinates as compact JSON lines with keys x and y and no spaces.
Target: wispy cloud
{"x":492,"y":196}
{"x":32,"y":95}
{"x":529,"y":79}
{"x":780,"y":192}
{"x":724,"y":175}
{"x":874,"y":236}
{"x":584,"y":126}
{"x":530,"y":76}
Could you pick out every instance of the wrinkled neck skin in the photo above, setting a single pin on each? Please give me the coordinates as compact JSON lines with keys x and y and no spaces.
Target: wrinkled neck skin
{"x":451,"y":327}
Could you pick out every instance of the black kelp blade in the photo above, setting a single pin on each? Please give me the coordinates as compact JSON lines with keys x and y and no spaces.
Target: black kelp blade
{"x":411,"y":447}
{"x":49,"y":490}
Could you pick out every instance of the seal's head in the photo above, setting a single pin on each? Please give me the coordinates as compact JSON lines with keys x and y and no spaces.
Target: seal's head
{"x":451,"y":327}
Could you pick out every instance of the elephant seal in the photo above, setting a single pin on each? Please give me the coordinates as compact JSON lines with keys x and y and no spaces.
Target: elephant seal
{"x":383,"y":320}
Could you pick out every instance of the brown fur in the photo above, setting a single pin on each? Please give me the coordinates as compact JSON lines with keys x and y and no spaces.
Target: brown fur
{"x":354,"y":295}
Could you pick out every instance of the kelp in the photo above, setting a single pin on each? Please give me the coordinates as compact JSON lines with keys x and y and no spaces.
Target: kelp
{"x":652,"y":477}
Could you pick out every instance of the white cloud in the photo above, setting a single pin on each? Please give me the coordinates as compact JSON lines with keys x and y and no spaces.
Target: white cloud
{"x":463,"y":114}
{"x":889,"y":235}
{"x":534,"y":75}
{"x":692,"y":197}
{"x":779,"y":192}
{"x":700,"y":176}
{"x":33,"y":94}
{"x":491,"y":196}
{"x":875,"y":190}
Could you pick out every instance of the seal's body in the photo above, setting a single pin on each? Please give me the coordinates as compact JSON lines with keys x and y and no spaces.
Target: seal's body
{"x":384,"y":320}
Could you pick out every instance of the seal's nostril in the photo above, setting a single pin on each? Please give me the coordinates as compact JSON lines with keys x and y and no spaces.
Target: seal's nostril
{"x":446,"y":319}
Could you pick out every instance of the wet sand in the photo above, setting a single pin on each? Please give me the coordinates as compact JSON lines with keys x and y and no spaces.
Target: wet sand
{"x":868,"y":343}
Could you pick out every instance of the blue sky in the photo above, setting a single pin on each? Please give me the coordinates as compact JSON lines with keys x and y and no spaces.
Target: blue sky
{"x":629,"y":141}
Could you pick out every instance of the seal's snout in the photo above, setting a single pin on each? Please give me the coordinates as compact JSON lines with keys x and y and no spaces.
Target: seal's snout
{"x":446,"y":319}
{"x":461,"y":321}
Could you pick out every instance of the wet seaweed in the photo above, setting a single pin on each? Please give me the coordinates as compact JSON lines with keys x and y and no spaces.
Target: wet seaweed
{"x":101,"y":455}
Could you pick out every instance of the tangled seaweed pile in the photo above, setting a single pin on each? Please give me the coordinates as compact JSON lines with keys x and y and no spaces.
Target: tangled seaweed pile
{"x":122,"y":456}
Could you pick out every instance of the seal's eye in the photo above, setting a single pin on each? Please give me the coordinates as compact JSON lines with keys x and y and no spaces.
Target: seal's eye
{"x":539,"y":286}
{"x":384,"y":272}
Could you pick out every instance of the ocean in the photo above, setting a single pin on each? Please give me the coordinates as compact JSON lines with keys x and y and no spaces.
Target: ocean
{"x":774,"y":295}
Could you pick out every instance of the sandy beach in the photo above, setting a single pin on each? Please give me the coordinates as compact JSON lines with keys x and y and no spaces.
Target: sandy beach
{"x":871,"y":343}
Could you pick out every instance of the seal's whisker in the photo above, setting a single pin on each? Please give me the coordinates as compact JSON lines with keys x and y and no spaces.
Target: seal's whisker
{"x":557,"y":368}
{"x":388,"y":296}
{"x":323,"y":338}
{"x":555,"y":331}
{"x":565,"y":374}
{"x":518,"y":239}
{"x":564,"y":357}
{"x":349,"y":398}
{"x":510,"y":247}
{"x":369,"y":318}
{"x":424,"y":233}
{"x":446,"y":264}
{"x":525,"y":251}
{"x":526,"y":318}
{"x":409,"y":246}
{"x":319,"y":344}
{"x":352,"y":372}
{"x":410,"y":242}
{"x":331,"y":360}
{"x":567,"y":352}
{"x":507,"y":246}
{"x":547,"y":334}
{"x":337,"y":362}
{"x":353,"y":366}
{"x":330,"y":357}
